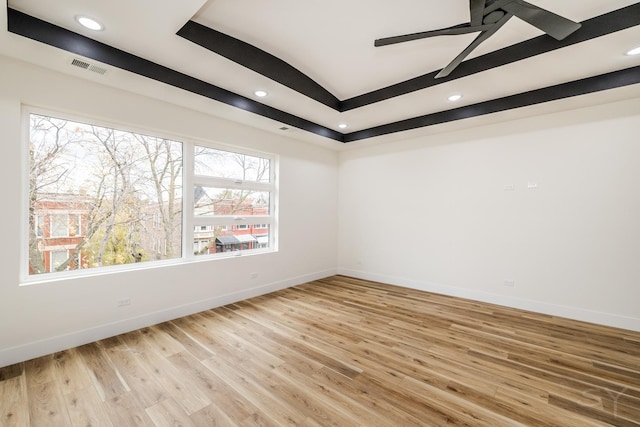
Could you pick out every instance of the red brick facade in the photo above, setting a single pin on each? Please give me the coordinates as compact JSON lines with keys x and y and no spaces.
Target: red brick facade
{"x":60,"y":223}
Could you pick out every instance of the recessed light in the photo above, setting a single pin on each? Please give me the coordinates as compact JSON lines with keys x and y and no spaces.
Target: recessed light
{"x":89,"y":23}
{"x":633,"y":52}
{"x":342,"y":126}
{"x":454,"y":98}
{"x":260,"y":93}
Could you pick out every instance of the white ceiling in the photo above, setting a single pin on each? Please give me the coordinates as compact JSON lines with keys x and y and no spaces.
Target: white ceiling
{"x":331,"y":42}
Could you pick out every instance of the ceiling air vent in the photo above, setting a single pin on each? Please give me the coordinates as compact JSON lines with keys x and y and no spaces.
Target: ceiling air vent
{"x":96,"y":69}
{"x":78,"y":63}
{"x":87,"y":66}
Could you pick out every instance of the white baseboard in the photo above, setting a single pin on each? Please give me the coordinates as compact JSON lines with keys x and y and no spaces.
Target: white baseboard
{"x":575,"y":313}
{"x":51,"y":345}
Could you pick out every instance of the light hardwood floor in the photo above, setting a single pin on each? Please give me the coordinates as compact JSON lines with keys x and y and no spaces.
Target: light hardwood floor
{"x":338,"y":352}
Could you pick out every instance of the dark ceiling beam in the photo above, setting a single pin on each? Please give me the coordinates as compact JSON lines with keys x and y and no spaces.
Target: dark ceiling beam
{"x":598,"y":26}
{"x":36,"y":29}
{"x":42,"y":31}
{"x":278,"y":70}
{"x":598,"y":83}
{"x":257,"y":60}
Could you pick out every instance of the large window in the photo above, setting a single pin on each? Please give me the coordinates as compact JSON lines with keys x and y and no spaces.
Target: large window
{"x":103,"y":197}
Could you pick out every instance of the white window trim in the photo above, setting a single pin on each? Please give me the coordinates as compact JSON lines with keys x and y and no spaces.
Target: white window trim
{"x":189,"y":220}
{"x":229,"y":221}
{"x":79,"y":232}
{"x":39,"y":226}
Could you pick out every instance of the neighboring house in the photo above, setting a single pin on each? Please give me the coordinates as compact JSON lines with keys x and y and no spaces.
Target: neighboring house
{"x":230,"y":238}
{"x":60,"y":222}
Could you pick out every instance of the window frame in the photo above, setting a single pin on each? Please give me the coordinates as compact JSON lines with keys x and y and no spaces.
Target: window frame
{"x":39,"y":226}
{"x":54,"y":226}
{"x":189,"y":180}
{"x":230,"y":222}
{"x":51,"y":257}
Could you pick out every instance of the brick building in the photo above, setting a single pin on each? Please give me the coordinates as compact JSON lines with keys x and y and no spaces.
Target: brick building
{"x":60,"y":225}
{"x":232,"y":237}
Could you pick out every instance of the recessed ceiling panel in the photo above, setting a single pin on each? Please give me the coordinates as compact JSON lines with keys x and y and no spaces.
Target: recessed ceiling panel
{"x":331,"y":43}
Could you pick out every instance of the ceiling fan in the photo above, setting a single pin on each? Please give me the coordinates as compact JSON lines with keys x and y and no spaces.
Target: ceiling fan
{"x":487,"y":16}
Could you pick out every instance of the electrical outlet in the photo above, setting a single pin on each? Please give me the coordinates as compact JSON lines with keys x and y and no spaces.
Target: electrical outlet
{"x":254,"y":275}
{"x":532,"y":185}
{"x":510,"y":283}
{"x":124,"y":302}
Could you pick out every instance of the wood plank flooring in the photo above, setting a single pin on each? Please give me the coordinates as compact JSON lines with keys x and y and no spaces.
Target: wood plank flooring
{"x":338,"y":352}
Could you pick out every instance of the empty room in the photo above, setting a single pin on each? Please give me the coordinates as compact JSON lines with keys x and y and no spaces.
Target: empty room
{"x":286,"y":213}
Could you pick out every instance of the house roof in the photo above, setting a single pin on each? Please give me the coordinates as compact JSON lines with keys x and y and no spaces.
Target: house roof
{"x":245,"y":238}
{"x":236,"y":239}
{"x":227,"y":240}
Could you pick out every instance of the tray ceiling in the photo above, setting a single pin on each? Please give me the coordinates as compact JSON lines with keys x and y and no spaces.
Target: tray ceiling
{"x":318,"y":64}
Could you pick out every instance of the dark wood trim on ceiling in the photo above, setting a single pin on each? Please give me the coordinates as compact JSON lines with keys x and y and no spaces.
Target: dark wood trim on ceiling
{"x":598,"y":26}
{"x":258,"y":60}
{"x":42,"y":31}
{"x":276,"y":69}
{"x":598,"y":83}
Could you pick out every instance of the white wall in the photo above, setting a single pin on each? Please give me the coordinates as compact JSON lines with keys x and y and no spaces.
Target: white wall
{"x":42,"y":318}
{"x":432,"y":213}
{"x":429,"y":213}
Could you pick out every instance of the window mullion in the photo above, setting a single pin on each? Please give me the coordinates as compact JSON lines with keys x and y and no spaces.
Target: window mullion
{"x":231,"y":220}
{"x":206,"y":181}
{"x":188,"y":200}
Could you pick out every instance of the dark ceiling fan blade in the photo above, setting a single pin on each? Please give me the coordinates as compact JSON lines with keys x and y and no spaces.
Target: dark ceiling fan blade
{"x":476,"y":8}
{"x":495,"y":5}
{"x":474,"y":44}
{"x":451,"y":31}
{"x":556,"y":26}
